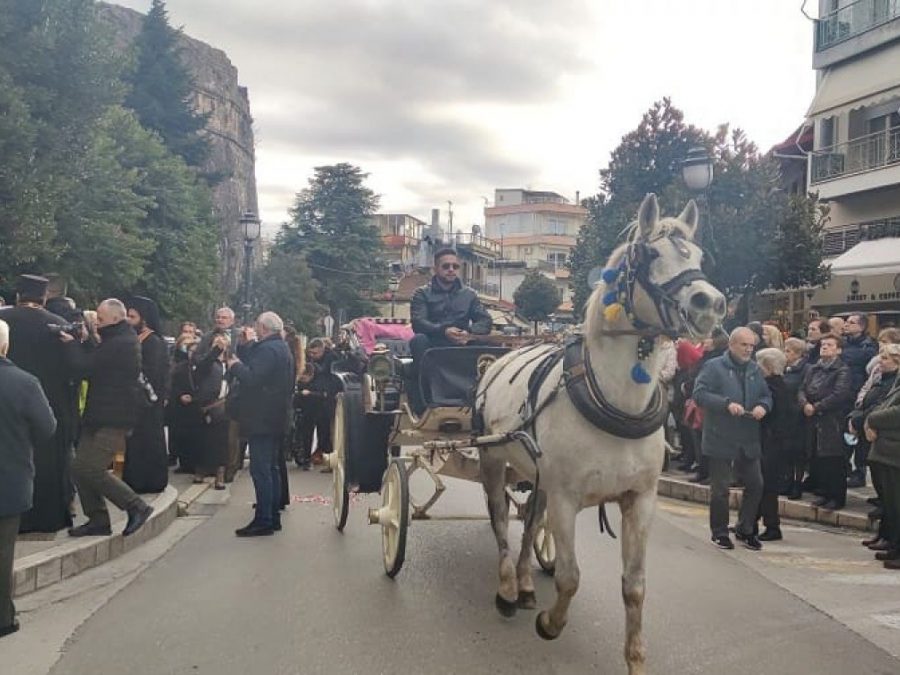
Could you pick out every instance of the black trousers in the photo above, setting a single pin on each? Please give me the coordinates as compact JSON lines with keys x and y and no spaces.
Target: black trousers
{"x":887,"y":527}
{"x":745,"y":469}
{"x":831,"y":478}
{"x":9,"y":528}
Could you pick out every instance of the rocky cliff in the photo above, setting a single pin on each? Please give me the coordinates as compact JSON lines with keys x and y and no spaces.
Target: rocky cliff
{"x":230,"y":129}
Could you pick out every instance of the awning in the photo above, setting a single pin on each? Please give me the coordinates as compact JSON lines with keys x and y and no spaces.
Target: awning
{"x":866,"y":81}
{"x":868,"y":258}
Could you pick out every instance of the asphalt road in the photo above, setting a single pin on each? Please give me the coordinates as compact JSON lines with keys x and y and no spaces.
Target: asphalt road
{"x":311,"y":600}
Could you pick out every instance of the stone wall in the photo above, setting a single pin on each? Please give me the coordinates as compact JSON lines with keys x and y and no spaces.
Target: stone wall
{"x":230,"y":129}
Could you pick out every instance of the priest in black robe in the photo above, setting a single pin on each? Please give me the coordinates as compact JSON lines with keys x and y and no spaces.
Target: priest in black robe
{"x":35,"y":348}
{"x":146,"y":456}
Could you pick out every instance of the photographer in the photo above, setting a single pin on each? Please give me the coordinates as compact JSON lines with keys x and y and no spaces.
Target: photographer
{"x":112,"y":369}
{"x":35,"y":348}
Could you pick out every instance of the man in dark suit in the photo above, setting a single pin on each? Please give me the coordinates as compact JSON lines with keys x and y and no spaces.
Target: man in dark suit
{"x":265,"y":377}
{"x":25,"y":419}
{"x":35,"y":349}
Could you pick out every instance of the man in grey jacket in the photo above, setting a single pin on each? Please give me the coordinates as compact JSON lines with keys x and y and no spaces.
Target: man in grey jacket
{"x":733,"y":394}
{"x":25,"y":419}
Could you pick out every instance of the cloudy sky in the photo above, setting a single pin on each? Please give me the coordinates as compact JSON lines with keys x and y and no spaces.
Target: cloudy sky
{"x":448,"y":99}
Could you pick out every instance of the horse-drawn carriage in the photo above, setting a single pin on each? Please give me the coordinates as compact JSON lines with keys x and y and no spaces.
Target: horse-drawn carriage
{"x":582,"y":423}
{"x":379,"y":442}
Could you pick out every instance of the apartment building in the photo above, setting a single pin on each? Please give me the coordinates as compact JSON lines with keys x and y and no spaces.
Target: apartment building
{"x":535,"y":230}
{"x":855,"y":161}
{"x":402,"y":236}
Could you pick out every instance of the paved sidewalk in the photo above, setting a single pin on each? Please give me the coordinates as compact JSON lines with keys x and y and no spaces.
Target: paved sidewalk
{"x":42,"y":560}
{"x":855,"y":515}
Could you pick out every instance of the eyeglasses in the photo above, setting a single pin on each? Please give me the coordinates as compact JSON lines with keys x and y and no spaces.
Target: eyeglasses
{"x":450,"y":266}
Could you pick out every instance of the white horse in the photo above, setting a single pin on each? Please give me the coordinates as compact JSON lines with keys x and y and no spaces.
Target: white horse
{"x":652,"y":286}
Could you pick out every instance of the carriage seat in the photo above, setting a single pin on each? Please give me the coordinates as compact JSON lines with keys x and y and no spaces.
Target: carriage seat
{"x":448,"y":375}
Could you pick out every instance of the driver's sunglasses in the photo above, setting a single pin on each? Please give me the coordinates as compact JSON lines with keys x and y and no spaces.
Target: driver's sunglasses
{"x":450,"y":266}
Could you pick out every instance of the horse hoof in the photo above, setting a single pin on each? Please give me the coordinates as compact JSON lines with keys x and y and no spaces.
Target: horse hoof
{"x":505,"y":607}
{"x":527,"y":600}
{"x":539,"y":627}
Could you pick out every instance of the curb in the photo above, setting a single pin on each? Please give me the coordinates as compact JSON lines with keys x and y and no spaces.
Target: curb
{"x":39,"y":570}
{"x":794,"y":510}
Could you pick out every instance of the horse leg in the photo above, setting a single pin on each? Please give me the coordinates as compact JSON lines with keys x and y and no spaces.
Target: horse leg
{"x":493,"y":479}
{"x":562,"y":512}
{"x":536,"y":506}
{"x":637,"y":514}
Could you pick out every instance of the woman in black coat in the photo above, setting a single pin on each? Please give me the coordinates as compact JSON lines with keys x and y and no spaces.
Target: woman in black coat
{"x":825,"y":397}
{"x":889,"y":360}
{"x":208,"y":374}
{"x":796,"y":448}
{"x":182,"y":411}
{"x":775,"y":430}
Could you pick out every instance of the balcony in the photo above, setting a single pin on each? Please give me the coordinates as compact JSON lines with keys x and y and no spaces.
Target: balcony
{"x":395,"y":241}
{"x":855,"y":19}
{"x":476,"y":243}
{"x":840,"y":240}
{"x":855,"y":158}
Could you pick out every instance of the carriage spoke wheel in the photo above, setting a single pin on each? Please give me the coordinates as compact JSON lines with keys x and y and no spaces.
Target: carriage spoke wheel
{"x":394,"y":516}
{"x":340,"y":501}
{"x":545,"y":546}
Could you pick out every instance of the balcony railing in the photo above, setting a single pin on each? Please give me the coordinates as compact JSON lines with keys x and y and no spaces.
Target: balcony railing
{"x":856,"y":156}
{"x":468,"y":239}
{"x":852,"y":20}
{"x":842,"y":239}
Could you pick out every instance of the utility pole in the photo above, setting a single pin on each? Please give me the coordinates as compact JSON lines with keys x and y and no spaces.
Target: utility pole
{"x":450,"y":216}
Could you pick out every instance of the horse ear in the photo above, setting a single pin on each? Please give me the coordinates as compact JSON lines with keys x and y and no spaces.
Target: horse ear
{"x":690,"y":216}
{"x":648,"y":215}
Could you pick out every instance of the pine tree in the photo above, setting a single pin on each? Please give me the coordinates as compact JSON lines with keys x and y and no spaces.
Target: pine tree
{"x":332,"y":227}
{"x":162,"y":89}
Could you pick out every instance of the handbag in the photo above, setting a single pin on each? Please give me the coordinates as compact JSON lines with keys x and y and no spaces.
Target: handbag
{"x":693,"y":414}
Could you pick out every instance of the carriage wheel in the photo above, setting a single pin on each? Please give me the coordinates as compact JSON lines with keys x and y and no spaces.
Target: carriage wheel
{"x":340,"y":501}
{"x":394,"y":516}
{"x":545,"y":547}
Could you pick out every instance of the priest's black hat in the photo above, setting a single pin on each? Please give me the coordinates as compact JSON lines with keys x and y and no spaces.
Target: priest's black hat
{"x":31,"y":287}
{"x":148,"y":310}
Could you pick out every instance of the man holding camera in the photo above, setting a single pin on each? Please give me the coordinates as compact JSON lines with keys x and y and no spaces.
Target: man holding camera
{"x":112,"y":369}
{"x":35,"y":348}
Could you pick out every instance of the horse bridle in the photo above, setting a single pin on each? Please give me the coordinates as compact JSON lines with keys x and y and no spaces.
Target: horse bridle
{"x":636,"y":269}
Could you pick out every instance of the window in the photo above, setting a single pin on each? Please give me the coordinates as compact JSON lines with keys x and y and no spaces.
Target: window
{"x":556,"y":258}
{"x":828,"y":132}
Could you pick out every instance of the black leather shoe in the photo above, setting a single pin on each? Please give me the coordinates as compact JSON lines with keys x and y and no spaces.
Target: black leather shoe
{"x":880,"y":545}
{"x":771,"y":534}
{"x":10,"y":629}
{"x":254,"y":530}
{"x":892,"y":564}
{"x":723,"y":542}
{"x":750,"y":541}
{"x":136,"y":519}
{"x":90,"y":530}
{"x":893,"y":554}
{"x":856,"y":481}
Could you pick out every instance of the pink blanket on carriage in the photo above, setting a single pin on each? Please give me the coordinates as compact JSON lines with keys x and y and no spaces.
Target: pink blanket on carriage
{"x":368,"y":332}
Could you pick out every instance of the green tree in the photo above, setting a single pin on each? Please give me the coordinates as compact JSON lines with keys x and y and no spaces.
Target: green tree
{"x":286,"y":286}
{"x":755,"y":235}
{"x":162,"y":89}
{"x":331,"y":226}
{"x":536,"y":298}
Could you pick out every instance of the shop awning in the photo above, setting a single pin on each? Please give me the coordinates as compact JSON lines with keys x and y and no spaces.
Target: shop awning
{"x":863,"y":82}
{"x":868,"y":258}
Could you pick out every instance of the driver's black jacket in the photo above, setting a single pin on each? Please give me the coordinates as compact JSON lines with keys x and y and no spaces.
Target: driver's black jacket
{"x":434,"y":310}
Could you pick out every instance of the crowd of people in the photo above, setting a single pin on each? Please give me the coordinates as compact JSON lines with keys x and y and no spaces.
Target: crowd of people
{"x":784,"y":417}
{"x":81,"y":389}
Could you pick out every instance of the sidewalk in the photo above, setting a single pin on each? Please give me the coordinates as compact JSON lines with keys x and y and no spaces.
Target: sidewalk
{"x":42,"y":560}
{"x":855,"y":515}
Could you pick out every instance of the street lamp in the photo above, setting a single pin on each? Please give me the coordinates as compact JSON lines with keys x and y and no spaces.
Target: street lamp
{"x":393,"y":286}
{"x":697,"y":170}
{"x":251,"y":226}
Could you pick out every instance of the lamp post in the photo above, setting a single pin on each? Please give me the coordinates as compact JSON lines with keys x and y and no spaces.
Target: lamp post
{"x":393,"y":285}
{"x":251,"y":226}
{"x":697,"y":170}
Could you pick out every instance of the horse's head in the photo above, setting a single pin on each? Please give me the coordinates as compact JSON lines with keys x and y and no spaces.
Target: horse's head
{"x":658,"y":278}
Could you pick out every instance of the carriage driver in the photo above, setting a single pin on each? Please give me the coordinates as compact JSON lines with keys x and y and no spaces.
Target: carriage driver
{"x":445,"y":313}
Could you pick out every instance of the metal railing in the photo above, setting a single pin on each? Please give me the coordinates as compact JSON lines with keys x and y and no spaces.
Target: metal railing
{"x":475,"y":241}
{"x":865,"y":153}
{"x":852,"y":20}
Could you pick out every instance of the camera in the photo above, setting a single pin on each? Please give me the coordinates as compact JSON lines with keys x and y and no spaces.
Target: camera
{"x":74,"y":329}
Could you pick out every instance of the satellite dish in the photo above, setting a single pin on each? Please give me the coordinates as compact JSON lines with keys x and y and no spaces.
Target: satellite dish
{"x":595,"y":276}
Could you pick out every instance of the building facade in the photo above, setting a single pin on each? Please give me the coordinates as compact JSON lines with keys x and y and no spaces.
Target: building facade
{"x":402,"y":236}
{"x":855,"y":162}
